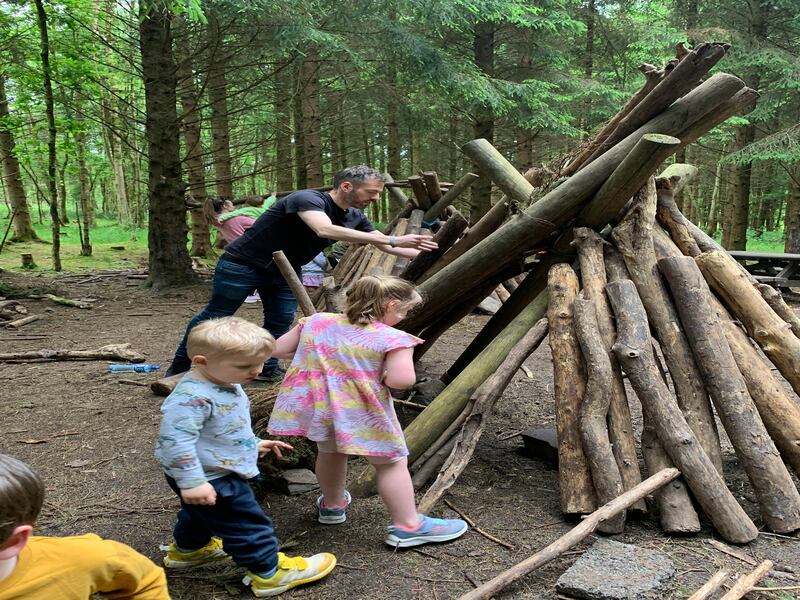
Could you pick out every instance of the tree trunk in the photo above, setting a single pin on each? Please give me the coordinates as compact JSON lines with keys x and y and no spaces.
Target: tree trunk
{"x":483,"y":123}
{"x":15,"y":191}
{"x":778,"y":498}
{"x":195,"y":167}
{"x":594,"y":411}
{"x":569,"y":385}
{"x":55,"y":223}
{"x":740,"y":210}
{"x":791,"y":228}
{"x":634,"y":350}
{"x":392,"y":137}
{"x":634,"y":239}
{"x":169,"y":262}
{"x":218,"y":99}
{"x":312,"y":123}
{"x":283,"y":129}
{"x":593,"y":277}
{"x":84,"y":194}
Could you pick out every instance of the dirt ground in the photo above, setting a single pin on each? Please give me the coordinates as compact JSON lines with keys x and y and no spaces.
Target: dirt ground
{"x":92,"y":439}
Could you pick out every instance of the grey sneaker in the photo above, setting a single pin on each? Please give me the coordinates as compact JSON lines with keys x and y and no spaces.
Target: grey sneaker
{"x":332,"y":516}
{"x":429,"y":530}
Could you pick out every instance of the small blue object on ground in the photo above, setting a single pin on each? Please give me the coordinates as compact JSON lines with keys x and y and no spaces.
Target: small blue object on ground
{"x":133,"y":368}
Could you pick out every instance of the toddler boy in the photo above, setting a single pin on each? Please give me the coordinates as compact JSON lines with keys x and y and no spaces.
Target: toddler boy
{"x":208,"y":451}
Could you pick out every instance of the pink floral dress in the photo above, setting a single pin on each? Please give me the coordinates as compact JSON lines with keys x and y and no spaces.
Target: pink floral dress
{"x":333,"y":390}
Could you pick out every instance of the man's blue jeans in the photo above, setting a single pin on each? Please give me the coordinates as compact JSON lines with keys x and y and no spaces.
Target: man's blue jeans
{"x":232,"y":284}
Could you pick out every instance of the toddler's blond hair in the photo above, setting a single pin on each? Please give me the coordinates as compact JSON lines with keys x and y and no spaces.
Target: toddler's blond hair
{"x":367,"y":298}
{"x":229,"y":335}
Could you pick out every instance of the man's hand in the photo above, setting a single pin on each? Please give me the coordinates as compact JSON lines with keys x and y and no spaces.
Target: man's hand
{"x":274,"y":446}
{"x":202,"y":494}
{"x":412,"y":240}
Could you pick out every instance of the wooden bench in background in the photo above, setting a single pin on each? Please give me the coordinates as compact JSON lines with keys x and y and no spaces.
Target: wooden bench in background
{"x":773,"y":268}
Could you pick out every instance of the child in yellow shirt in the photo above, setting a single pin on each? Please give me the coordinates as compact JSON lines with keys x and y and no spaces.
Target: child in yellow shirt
{"x":68,"y":568}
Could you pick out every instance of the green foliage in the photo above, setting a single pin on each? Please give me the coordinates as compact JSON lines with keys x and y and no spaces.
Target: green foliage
{"x":783,"y":146}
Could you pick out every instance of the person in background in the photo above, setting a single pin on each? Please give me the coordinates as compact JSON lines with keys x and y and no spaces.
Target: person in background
{"x":300,"y":224}
{"x":313,"y":272}
{"x":232,"y":222}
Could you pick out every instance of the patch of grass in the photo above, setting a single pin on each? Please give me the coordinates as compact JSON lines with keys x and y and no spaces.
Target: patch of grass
{"x":107,"y":233}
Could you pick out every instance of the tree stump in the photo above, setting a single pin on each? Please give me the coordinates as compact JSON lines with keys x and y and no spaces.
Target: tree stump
{"x":27,"y":261}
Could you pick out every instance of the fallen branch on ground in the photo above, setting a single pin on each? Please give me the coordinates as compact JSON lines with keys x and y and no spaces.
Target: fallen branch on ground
{"x":575,"y":535}
{"x":109,"y":352}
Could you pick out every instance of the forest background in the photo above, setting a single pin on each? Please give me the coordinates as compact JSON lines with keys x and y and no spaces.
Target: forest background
{"x":115,"y":117}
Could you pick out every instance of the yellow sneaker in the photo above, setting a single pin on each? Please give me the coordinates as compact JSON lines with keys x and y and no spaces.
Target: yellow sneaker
{"x":211,"y":552}
{"x":291,"y":572}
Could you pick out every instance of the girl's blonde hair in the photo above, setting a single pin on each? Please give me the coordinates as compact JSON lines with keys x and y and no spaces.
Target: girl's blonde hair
{"x":367,"y":298}
{"x":229,"y":335}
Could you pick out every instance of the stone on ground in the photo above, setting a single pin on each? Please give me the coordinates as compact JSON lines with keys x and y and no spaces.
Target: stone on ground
{"x":610,"y":570}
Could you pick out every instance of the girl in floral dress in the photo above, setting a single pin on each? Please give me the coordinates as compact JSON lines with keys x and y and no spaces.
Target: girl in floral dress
{"x":336,"y":393}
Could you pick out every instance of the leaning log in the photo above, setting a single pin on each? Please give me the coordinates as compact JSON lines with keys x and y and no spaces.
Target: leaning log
{"x":775,"y":299}
{"x":634,"y":350}
{"x":447,"y":235}
{"x":572,"y":537}
{"x":593,"y":277}
{"x":778,"y":409}
{"x":594,"y":410}
{"x":575,"y":487}
{"x":634,"y":239}
{"x":652,"y":77}
{"x":631,"y":174}
{"x":676,"y":514}
{"x":435,"y":211}
{"x":563,"y":203}
{"x":778,"y":498}
{"x":675,"y":84}
{"x":770,"y":332}
{"x":432,"y":421}
{"x":692,"y":241}
{"x":485,"y":399}
{"x":290,"y":275}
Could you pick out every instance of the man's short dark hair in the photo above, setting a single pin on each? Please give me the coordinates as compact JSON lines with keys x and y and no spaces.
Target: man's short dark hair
{"x":21,"y":495}
{"x":357,"y":174}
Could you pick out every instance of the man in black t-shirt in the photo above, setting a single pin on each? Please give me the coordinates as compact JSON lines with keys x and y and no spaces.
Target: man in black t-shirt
{"x":301,"y":225}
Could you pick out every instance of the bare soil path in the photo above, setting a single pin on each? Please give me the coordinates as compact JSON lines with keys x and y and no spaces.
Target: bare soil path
{"x":92,"y":439}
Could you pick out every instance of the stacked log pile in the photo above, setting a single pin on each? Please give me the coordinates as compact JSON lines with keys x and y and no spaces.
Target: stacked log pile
{"x":531,"y":229}
{"x":651,"y":286}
